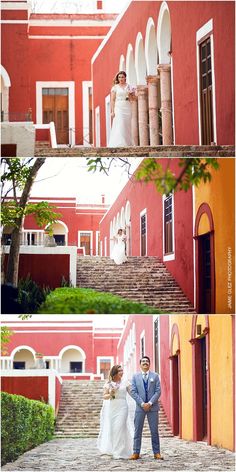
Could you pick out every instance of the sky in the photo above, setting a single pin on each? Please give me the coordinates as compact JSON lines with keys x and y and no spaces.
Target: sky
{"x":69,"y":177}
{"x":74,"y":6}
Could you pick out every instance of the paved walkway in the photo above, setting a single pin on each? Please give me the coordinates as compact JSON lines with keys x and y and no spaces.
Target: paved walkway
{"x":82,"y":455}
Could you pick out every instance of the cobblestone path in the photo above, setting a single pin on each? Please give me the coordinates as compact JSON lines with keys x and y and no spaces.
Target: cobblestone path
{"x":82,"y":455}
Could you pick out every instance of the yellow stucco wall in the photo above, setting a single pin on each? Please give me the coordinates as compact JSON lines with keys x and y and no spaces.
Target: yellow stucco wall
{"x":221,"y":380}
{"x":184,"y":324}
{"x":221,"y":376}
{"x":219,"y":195}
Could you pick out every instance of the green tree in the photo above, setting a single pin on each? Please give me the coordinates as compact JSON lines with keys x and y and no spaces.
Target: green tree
{"x":17,"y":180}
{"x":6,"y":334}
{"x":192,"y":171}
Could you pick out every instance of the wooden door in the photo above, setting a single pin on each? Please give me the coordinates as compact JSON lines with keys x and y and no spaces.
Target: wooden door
{"x":105,"y":367}
{"x":85,"y":241}
{"x":175,"y":396}
{"x":206,"y":92}
{"x":55,"y":108}
{"x":205,"y":274}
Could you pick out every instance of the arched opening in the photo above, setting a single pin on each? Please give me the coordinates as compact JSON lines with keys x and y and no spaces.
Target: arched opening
{"x":130,"y":67}
{"x":23,"y":358}
{"x":122,"y":64}
{"x":164,"y":35}
{"x":111,"y":237}
{"x":72,"y":359}
{"x":140,"y":61}
{"x":205,"y":260}
{"x":127,"y":214}
{"x":151,"y":48}
{"x":5,"y":85}
{"x":60,"y":233}
{"x":200,"y":341}
{"x":176,"y":403}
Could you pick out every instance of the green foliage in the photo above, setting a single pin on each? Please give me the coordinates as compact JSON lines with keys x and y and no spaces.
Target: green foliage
{"x":81,"y":300}
{"x":43,"y":212}
{"x":6,"y":334}
{"x":193,"y":171}
{"x":31,"y":295}
{"x":16,"y":171}
{"x":25,"y":424}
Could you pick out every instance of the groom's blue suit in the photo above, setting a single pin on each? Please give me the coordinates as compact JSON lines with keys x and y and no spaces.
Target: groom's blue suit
{"x":144,"y":392}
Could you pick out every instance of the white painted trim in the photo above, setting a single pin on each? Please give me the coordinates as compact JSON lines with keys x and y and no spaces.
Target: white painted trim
{"x":105,"y":246}
{"x":71,"y":105}
{"x":108,"y":358}
{"x":97,"y":242}
{"x":143,"y":212}
{"x":97,"y":126}
{"x":91,"y":240}
{"x":86,"y":84}
{"x":14,"y":6}
{"x":204,"y":31}
{"x":72,"y":346}
{"x":110,"y":32}
{"x":101,"y":248}
{"x":194,"y":249}
{"x":169,"y":257}
{"x":108,"y":117}
{"x":65,"y":37}
{"x":21,"y":347}
{"x":139,"y":48}
{"x":172,"y":97}
{"x":164,"y":7}
{"x":142,"y":336}
{"x":5,"y":77}
{"x":14,"y":22}
{"x":122,"y":64}
{"x":150,"y":25}
{"x":70,"y":23}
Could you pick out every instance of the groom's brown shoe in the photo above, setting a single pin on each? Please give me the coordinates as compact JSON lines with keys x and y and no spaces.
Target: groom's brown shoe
{"x":134,"y":457}
{"x":158,"y":456}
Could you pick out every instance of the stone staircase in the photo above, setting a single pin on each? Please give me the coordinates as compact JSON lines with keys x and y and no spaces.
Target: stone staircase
{"x":141,"y":279}
{"x":79,"y":412}
{"x":42,"y":150}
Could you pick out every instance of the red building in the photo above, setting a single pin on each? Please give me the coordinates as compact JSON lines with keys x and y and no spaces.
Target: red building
{"x":46,"y":73}
{"x":173,"y":52}
{"x":155,"y":226}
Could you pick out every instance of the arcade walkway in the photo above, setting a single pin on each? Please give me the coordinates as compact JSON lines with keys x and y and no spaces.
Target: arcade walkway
{"x":82,"y":455}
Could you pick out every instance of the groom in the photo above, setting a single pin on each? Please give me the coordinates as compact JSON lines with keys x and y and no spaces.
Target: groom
{"x":146,"y":390}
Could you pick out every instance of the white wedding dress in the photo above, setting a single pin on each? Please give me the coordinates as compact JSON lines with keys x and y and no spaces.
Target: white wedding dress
{"x":116,"y":429}
{"x":121,"y":126}
{"x":118,"y":251}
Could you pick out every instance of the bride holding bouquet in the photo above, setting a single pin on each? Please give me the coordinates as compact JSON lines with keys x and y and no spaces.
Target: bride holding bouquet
{"x":121,"y":94}
{"x":118,"y":252}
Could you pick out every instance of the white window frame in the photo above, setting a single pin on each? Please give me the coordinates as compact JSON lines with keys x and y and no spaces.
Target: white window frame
{"x":91,"y":236}
{"x":71,"y":104}
{"x":106,"y":358}
{"x":97,"y":242}
{"x":143,"y":212}
{"x":101,"y":249}
{"x":105,"y":246}
{"x":108,"y":117}
{"x":205,"y":31}
{"x":97,"y":127}
{"x":86,"y":85}
{"x":142,"y":337}
{"x":169,"y":257}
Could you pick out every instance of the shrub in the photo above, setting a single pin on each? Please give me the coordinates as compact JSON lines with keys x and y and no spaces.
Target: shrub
{"x":31,"y":295}
{"x":82,"y":300}
{"x":25,"y":424}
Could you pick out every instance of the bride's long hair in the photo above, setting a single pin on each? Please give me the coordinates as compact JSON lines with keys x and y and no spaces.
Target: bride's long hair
{"x":114,"y":371}
{"x":116,"y":80}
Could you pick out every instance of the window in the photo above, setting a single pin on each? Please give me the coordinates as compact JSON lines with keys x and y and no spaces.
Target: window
{"x":76,"y":367}
{"x":105,"y":367}
{"x":142,"y":347}
{"x":168,"y":225}
{"x":19,"y":365}
{"x":206,"y":91}
{"x":143,"y":231}
{"x":59,"y":239}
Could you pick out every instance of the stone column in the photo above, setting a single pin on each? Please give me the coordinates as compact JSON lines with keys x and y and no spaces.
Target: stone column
{"x":166,"y":103}
{"x":142,"y":93}
{"x":134,"y":121}
{"x":153,"y":84}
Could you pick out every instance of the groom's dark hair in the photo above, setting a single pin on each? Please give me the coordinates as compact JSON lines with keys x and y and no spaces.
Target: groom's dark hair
{"x":145,"y":357}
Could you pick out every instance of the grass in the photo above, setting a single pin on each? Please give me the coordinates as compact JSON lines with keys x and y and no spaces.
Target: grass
{"x":82,"y":300}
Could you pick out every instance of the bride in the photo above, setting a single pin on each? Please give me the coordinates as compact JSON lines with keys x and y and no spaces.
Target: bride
{"x":121,"y":94}
{"x":118,"y":251}
{"x":115,"y":436}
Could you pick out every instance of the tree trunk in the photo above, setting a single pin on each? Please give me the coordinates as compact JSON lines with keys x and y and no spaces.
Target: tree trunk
{"x":14,"y":254}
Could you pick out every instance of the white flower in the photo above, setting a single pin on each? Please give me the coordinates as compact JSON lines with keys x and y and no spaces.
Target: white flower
{"x":151,"y":380}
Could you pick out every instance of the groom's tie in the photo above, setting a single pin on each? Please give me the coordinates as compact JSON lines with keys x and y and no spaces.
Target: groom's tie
{"x":145,"y":381}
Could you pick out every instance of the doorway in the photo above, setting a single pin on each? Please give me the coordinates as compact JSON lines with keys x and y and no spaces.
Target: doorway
{"x":205,"y":274}
{"x":56,"y":109}
{"x":143,"y":233}
{"x":175,"y":395}
{"x":85,"y":240}
{"x":201,"y":390}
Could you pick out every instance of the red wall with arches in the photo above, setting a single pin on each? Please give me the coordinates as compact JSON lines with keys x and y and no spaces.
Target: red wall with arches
{"x":185,"y":19}
{"x":141,"y":196}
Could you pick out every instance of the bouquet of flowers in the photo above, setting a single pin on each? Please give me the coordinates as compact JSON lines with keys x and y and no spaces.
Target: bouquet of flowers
{"x":113,"y":386}
{"x":131,"y":92}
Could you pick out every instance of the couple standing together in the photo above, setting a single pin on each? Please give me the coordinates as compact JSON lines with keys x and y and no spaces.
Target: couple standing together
{"x":116,"y":429}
